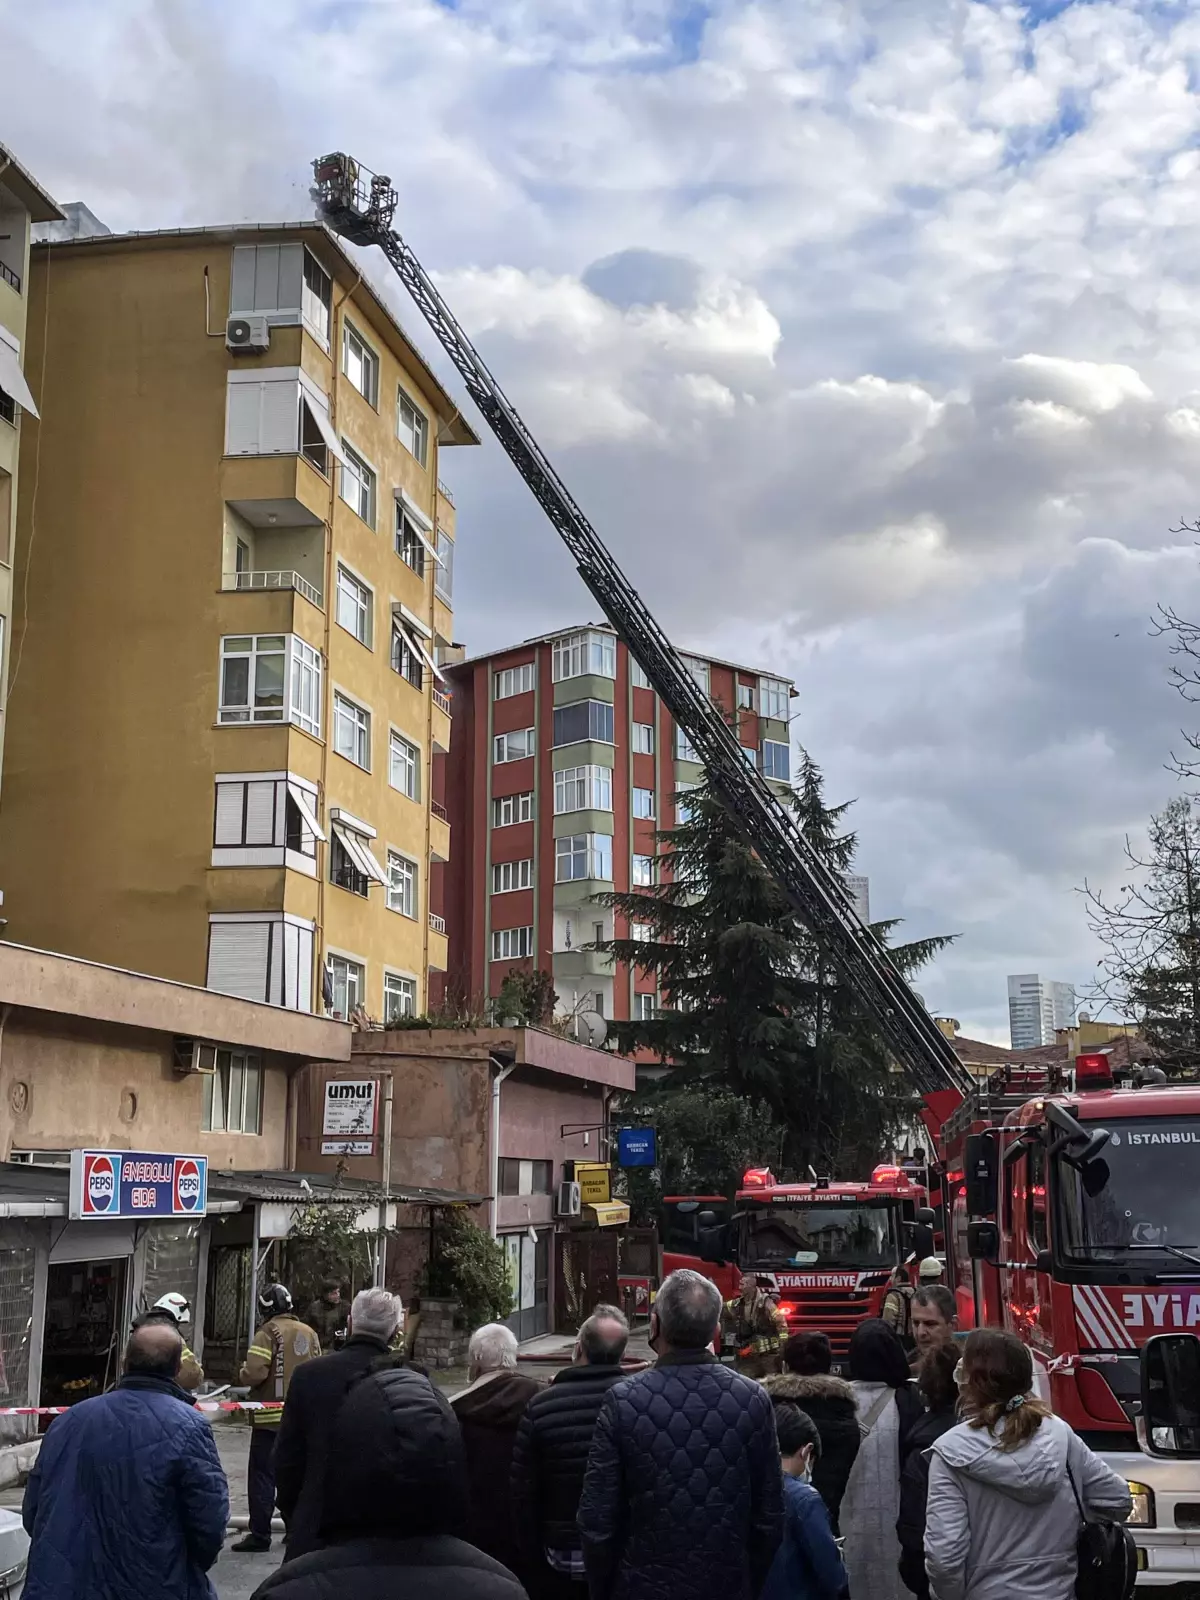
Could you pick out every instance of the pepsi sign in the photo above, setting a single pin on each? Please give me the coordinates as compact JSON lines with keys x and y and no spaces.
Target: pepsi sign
{"x":137,"y":1183}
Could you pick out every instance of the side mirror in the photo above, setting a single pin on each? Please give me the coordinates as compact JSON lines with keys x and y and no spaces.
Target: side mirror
{"x":1171,"y":1395}
{"x":922,"y":1240}
{"x":983,"y":1241}
{"x":979,"y":1170}
{"x":706,"y":1219}
{"x":927,"y":1216}
{"x":714,"y":1245}
{"x":1043,"y":1262}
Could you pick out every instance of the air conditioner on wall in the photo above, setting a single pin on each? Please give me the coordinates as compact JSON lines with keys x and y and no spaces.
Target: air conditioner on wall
{"x":570,"y":1202}
{"x":194,"y":1055}
{"x":250,"y":333}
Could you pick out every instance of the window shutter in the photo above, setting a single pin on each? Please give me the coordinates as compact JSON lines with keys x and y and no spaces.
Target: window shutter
{"x":241,"y":285}
{"x":260,"y":813}
{"x":279,"y":417}
{"x":228,"y":827}
{"x":242,"y":404}
{"x":237,"y":958}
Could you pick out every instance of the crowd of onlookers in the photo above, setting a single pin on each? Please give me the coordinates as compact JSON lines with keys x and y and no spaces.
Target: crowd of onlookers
{"x":929,"y":1467}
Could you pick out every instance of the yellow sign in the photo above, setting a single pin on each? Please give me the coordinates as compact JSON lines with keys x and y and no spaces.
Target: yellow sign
{"x":613,"y":1215}
{"x":595,"y":1182}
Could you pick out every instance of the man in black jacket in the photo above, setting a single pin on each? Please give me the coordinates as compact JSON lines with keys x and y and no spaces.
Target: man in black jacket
{"x":683,"y":1494}
{"x":808,"y":1382}
{"x":314,"y":1400}
{"x":551,"y":1452}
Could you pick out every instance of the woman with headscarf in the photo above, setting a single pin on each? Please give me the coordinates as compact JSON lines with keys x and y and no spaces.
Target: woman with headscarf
{"x":888,"y":1406}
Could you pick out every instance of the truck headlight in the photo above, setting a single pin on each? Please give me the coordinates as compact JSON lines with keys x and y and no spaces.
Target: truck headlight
{"x":1142,"y":1515}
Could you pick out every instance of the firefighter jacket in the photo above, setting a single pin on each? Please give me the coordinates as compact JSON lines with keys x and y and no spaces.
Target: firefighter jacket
{"x":756,"y":1326}
{"x":191,"y":1373}
{"x":279,"y":1347}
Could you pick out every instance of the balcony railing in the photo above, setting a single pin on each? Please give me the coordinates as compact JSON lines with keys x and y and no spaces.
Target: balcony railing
{"x":441,"y":699}
{"x":439,"y":810}
{"x":274,"y":580}
{"x":444,"y":491}
{"x":437,"y":924}
{"x":14,"y":278}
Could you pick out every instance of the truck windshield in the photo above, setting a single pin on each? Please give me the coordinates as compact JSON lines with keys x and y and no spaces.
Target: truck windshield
{"x":781,"y":1235}
{"x":1139,"y":1198}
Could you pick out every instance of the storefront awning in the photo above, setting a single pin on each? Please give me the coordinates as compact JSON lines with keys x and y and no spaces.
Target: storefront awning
{"x":609,"y":1214}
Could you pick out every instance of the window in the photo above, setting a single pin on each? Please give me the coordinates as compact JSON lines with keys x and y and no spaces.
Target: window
{"x":515,"y":680}
{"x":305,"y":700}
{"x":270,"y":677}
{"x":745,"y":696}
{"x":242,"y":560}
{"x":443,"y":575}
{"x":776,"y":760}
{"x":511,"y":944}
{"x":316,"y":298}
{"x":354,"y":606}
{"x":637,"y":674}
{"x":583,"y":855}
{"x":1035,"y":1197}
{"x":278,"y":411}
{"x":641,"y":872}
{"x":261,"y":956}
{"x":643,"y":803}
{"x":586,"y":719}
{"x":358,"y":484}
{"x":360,"y":364}
{"x":643,"y":738}
{"x":8,"y":408}
{"x":514,"y":746}
{"x":509,"y":875}
{"x":578,"y":653}
{"x":773,"y":698}
{"x":232,"y":1095}
{"x":345,"y":870}
{"x":525,"y":1177}
{"x":399,"y":997}
{"x":581,"y":789}
{"x":404,"y":766}
{"x":412,"y":427}
{"x":641,"y":932}
{"x":255,"y":820}
{"x":645,"y":1007}
{"x":697,"y":670}
{"x":749,"y":755}
{"x":352,"y":732}
{"x":347,"y":984}
{"x":685,"y":750}
{"x":410,"y":547}
{"x":683,"y":811}
{"x":268,"y":278}
{"x":405,"y":659}
{"x":511,"y":808}
{"x":402,"y":885}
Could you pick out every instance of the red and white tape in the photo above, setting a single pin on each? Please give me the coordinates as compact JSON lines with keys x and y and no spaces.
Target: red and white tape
{"x":200,"y":1405}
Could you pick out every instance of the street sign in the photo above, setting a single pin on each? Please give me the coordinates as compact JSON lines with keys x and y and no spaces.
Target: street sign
{"x":136,"y":1183}
{"x":637,"y":1147}
{"x":348,"y":1124}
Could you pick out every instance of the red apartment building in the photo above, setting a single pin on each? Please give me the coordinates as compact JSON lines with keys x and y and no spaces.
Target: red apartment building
{"x":562,"y":766}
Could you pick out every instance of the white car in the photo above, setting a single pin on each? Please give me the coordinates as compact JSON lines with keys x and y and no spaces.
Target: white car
{"x":14,"y":1552}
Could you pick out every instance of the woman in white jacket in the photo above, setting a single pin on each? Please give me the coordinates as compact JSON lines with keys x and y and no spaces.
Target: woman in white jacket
{"x":1003,"y":1520}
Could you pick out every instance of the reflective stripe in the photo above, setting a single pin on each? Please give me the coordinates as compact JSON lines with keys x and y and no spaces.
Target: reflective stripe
{"x":257,"y":1350}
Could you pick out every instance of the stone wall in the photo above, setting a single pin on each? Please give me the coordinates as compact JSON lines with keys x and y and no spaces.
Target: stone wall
{"x":439,"y":1343}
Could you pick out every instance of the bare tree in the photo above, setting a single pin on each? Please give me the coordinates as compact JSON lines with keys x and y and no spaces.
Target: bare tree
{"x":1184,"y":649}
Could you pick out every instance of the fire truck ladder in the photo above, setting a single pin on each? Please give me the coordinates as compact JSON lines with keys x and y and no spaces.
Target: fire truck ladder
{"x":360,"y":205}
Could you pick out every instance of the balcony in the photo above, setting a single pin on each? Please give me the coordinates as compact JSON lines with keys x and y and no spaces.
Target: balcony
{"x":274,"y":580}
{"x":439,"y":950}
{"x":7,"y":275}
{"x":442,"y":488}
{"x":441,"y":720}
{"x":439,"y":832}
{"x":437,"y":924}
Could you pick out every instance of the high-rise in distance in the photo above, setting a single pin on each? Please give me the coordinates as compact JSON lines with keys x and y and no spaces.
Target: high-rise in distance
{"x":1037,"y":1008}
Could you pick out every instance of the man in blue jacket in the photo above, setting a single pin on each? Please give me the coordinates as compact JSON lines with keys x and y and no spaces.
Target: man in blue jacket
{"x":683,"y":1490}
{"x":128,"y":1500}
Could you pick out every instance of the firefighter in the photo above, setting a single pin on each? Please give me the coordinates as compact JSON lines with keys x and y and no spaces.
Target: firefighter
{"x":897,"y":1307}
{"x":175,"y":1310}
{"x":756,"y":1326}
{"x":282,"y":1344}
{"x":329,"y":1314}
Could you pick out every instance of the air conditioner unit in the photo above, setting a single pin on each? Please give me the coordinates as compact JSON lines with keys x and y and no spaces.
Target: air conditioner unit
{"x":194,"y":1055}
{"x":570,"y":1202}
{"x":250,"y":333}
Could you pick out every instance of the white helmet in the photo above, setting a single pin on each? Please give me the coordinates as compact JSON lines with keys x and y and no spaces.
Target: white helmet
{"x":176,"y":1304}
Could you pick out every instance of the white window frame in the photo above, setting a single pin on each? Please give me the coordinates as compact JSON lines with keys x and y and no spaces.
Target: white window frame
{"x":683,"y":812}
{"x":366,"y":358}
{"x":250,"y":1069}
{"x":644,"y":805}
{"x":404,"y":752}
{"x":304,"y":690}
{"x":302,"y":669}
{"x":643,"y":738}
{"x":590,"y":737}
{"x":637,"y":675}
{"x":685,"y":750}
{"x":286,"y":947}
{"x":519,"y":808}
{"x":256,"y":814}
{"x":398,"y":986}
{"x":359,"y":475}
{"x":767,"y":763}
{"x":583,"y":850}
{"x":348,"y":711}
{"x":255,"y":647}
{"x":413,"y":434}
{"x":443,"y":572}
{"x":404,"y":885}
{"x":509,"y":876}
{"x":512,"y":944}
{"x":641,"y":933}
{"x":360,"y":603}
{"x":514,"y":680}
{"x":353,"y":978}
{"x":587,"y":788}
{"x":698,"y":671}
{"x":641,"y":877}
{"x":643,"y":1012}
{"x":516,"y":745}
{"x":746,"y":696}
{"x":584,"y":652}
{"x":316,"y":305}
{"x":773,"y":697}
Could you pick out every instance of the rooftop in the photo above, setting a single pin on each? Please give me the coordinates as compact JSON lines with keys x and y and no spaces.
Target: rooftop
{"x":27,"y":189}
{"x":455,"y":427}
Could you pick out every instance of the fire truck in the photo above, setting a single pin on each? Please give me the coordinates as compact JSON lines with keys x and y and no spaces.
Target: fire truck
{"x":1072,"y":1214}
{"x":828,"y":1247}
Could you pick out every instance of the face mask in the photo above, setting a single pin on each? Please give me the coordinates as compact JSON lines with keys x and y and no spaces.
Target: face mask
{"x":960,"y":1376}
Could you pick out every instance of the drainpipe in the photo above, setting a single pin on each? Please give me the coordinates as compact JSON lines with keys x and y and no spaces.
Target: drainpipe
{"x":386,"y":1190}
{"x":502,"y":1072}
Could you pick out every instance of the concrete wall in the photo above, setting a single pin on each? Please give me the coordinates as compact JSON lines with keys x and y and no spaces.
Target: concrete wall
{"x":533,"y":1110}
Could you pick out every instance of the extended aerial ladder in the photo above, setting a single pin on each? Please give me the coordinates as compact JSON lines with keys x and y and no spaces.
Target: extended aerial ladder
{"x":360,"y":205}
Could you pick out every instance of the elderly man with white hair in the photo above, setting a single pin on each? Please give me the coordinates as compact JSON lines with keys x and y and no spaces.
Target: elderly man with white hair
{"x":489,"y":1411}
{"x":317,"y":1391}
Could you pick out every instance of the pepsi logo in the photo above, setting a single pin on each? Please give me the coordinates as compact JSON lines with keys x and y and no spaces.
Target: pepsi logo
{"x":100,"y":1184}
{"x":188,"y":1184}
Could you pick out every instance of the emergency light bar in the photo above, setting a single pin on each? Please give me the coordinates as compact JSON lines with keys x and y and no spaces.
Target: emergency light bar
{"x":1093,"y":1070}
{"x":757,"y":1178}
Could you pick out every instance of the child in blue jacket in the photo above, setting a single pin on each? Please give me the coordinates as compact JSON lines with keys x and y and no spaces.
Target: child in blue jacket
{"x":807,"y":1565}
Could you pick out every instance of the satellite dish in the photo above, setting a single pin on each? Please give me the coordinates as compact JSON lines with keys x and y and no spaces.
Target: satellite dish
{"x":590,"y":1028}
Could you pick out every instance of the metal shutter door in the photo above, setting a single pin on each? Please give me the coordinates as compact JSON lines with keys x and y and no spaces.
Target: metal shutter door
{"x":237,"y":958}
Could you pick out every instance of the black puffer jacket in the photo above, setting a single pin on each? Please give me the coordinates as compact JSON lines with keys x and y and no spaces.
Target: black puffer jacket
{"x":551,"y":1455}
{"x":489,"y":1413}
{"x":914,"y":1494}
{"x":829,"y":1402}
{"x":683,"y":1494}
{"x":395,"y":1496}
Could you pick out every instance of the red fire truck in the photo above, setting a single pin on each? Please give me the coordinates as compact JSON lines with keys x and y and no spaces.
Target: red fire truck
{"x":829,"y":1247}
{"x":1073,"y":1220}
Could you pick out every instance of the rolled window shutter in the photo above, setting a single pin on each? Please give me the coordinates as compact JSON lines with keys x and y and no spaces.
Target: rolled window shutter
{"x":238,"y":958}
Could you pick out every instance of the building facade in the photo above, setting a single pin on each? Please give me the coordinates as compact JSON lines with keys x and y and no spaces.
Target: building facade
{"x":23,"y":204}
{"x":564,"y":765}
{"x":238,"y":567}
{"x":1037,"y":1009}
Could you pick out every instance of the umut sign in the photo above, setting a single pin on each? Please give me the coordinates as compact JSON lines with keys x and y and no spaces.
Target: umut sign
{"x":137,"y":1183}
{"x":348,"y":1122}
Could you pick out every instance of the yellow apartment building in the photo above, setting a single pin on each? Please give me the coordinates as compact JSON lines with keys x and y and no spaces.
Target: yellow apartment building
{"x":238,"y":568}
{"x":23,"y":202}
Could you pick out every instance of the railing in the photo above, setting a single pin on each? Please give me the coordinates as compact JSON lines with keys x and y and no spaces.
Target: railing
{"x":439,"y":810}
{"x":437,"y":924}
{"x":14,"y":278}
{"x":444,"y":491}
{"x":274,"y":580}
{"x":441,"y":699}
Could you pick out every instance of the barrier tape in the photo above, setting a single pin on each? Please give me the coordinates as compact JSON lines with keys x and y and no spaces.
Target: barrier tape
{"x":199,"y":1405}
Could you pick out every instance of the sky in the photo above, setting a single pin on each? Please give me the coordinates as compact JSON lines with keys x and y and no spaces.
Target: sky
{"x":867,"y":334}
